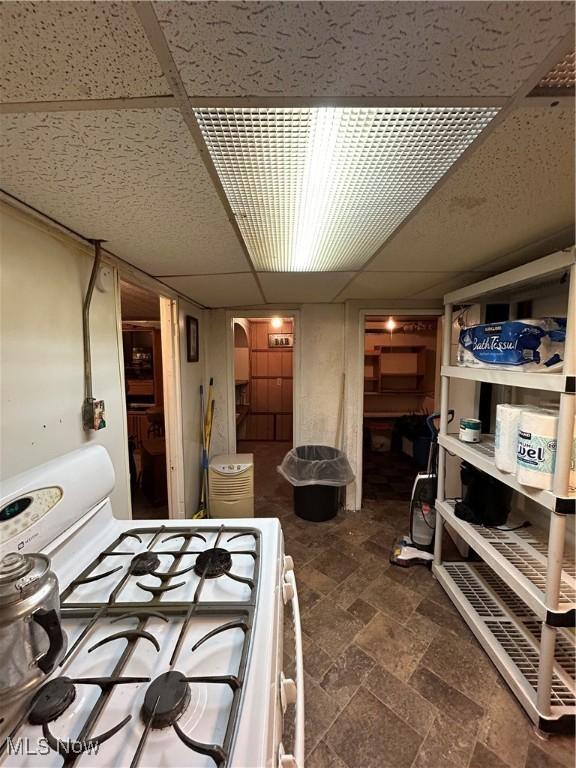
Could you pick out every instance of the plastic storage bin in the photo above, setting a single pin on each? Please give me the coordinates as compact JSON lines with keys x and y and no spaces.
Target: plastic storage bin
{"x":317,"y":473}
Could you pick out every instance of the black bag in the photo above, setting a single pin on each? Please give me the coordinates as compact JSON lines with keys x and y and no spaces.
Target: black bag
{"x":485,"y":500}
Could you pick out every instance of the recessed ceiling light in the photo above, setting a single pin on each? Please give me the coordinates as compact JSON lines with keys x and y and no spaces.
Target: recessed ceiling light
{"x":322,"y":188}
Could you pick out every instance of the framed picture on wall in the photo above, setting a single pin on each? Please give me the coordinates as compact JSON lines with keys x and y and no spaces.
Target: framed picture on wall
{"x":192,"y":341}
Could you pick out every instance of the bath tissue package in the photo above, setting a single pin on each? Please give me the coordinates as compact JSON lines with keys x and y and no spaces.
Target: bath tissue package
{"x":527,"y":345}
{"x":536,"y":456}
{"x":506,"y":436}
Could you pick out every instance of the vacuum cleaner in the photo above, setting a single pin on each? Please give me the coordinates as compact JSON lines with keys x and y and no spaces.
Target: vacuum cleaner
{"x":418,"y":546}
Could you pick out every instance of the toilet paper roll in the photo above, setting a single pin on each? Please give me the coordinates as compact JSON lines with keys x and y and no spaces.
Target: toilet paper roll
{"x":536,"y":455}
{"x":506,"y":437}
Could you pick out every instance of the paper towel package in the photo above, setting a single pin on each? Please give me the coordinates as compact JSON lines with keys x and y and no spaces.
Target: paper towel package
{"x":506,"y":436}
{"x":572,"y":478}
{"x":536,"y":456}
{"x":527,"y":345}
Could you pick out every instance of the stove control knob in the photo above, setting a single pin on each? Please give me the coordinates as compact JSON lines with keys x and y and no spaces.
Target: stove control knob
{"x":288,"y":563}
{"x":287,"y":592}
{"x":287,"y":692}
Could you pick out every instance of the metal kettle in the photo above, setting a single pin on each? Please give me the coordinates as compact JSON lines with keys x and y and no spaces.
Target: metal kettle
{"x":32,"y":640}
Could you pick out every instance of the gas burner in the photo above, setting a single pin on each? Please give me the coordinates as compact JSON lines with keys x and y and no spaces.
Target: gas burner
{"x":52,"y":700}
{"x":166,"y":699}
{"x":218,"y":560}
{"x":144,"y":563}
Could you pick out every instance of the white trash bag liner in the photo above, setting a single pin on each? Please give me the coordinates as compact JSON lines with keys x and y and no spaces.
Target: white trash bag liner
{"x":316,"y":465}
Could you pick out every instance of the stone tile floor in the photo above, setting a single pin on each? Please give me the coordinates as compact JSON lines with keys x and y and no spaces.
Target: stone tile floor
{"x":394,"y":678}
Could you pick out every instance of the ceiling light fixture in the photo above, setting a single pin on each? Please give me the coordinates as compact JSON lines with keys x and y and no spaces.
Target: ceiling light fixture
{"x":321,"y":189}
{"x":390,"y":324}
{"x":276,"y":322}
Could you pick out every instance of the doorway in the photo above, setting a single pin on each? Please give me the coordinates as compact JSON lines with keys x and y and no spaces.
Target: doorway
{"x":144,"y":387}
{"x":401,"y":374}
{"x":263,"y":395}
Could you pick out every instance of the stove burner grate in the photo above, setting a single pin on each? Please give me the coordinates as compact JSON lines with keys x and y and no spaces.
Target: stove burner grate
{"x":52,"y":700}
{"x":144,"y":563}
{"x":213,"y":562}
{"x":165,"y":700}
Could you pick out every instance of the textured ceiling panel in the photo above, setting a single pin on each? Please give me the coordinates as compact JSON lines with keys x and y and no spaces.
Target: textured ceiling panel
{"x":360,"y":49}
{"x":516,"y":188}
{"x":138,"y":304}
{"x":392,"y":285}
{"x":307,"y":287}
{"x":321,"y":189}
{"x":133,"y":178}
{"x":444,"y":286}
{"x":562,"y":76}
{"x":218,"y":290}
{"x":75,"y":50}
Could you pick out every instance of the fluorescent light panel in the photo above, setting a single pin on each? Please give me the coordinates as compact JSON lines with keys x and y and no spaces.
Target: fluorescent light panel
{"x":320,"y":189}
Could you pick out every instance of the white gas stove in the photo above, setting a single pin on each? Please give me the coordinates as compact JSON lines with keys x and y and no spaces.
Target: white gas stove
{"x":174,"y":632}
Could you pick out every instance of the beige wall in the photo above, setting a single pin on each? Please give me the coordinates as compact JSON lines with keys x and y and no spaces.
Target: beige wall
{"x":44,"y":277}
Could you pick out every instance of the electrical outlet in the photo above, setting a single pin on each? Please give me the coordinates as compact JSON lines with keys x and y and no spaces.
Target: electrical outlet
{"x":93,"y":414}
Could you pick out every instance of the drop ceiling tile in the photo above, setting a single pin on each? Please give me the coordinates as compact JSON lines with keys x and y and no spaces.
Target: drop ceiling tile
{"x":392,"y":285}
{"x":218,"y":290}
{"x":302,"y":287}
{"x":444,"y":286}
{"x":515,"y":189}
{"x":75,"y":50}
{"x":133,"y":178}
{"x":333,"y":49}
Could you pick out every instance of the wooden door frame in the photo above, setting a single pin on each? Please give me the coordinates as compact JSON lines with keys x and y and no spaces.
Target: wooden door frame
{"x":170,"y":344}
{"x":358,"y":411}
{"x":294,"y":315}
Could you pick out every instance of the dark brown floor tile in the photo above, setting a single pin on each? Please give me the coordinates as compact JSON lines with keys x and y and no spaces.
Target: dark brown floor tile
{"x":321,"y":710}
{"x":445,"y":618}
{"x":395,"y":647}
{"x":539,"y":757}
{"x":447,"y":699}
{"x":370,"y":735}
{"x":392,"y":598}
{"x":348,"y":591}
{"x":346,"y":674}
{"x":559,"y":748}
{"x":316,"y":661}
{"x":323,"y":757}
{"x":417,"y":577}
{"x":362,"y":611}
{"x":423,"y":626}
{"x":331,"y":627}
{"x":334,"y":564}
{"x":316,"y":580}
{"x":307,"y":597}
{"x":462,"y":664}
{"x":484,"y":758}
{"x":505,"y":728}
{"x":401,"y":699}
{"x":445,"y":746}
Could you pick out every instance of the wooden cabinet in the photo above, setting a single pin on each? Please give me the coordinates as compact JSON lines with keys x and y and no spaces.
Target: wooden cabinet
{"x":143,"y":364}
{"x":271,"y":371}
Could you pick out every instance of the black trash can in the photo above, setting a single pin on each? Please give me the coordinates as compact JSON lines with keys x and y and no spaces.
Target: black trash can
{"x":317,"y":472}
{"x":316,"y":502}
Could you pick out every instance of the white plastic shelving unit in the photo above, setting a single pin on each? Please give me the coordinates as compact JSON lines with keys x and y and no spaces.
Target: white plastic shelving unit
{"x":520,"y":602}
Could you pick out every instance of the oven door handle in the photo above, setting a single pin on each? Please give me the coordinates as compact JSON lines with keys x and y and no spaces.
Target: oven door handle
{"x":291,"y":595}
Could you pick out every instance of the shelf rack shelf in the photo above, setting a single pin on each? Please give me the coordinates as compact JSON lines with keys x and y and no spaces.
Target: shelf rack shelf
{"x":520,"y":599}
{"x":521,"y":558}
{"x":481,"y":455}
{"x":511,"y":636}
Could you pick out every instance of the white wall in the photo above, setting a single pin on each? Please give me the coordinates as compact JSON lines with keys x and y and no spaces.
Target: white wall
{"x":44,"y":278}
